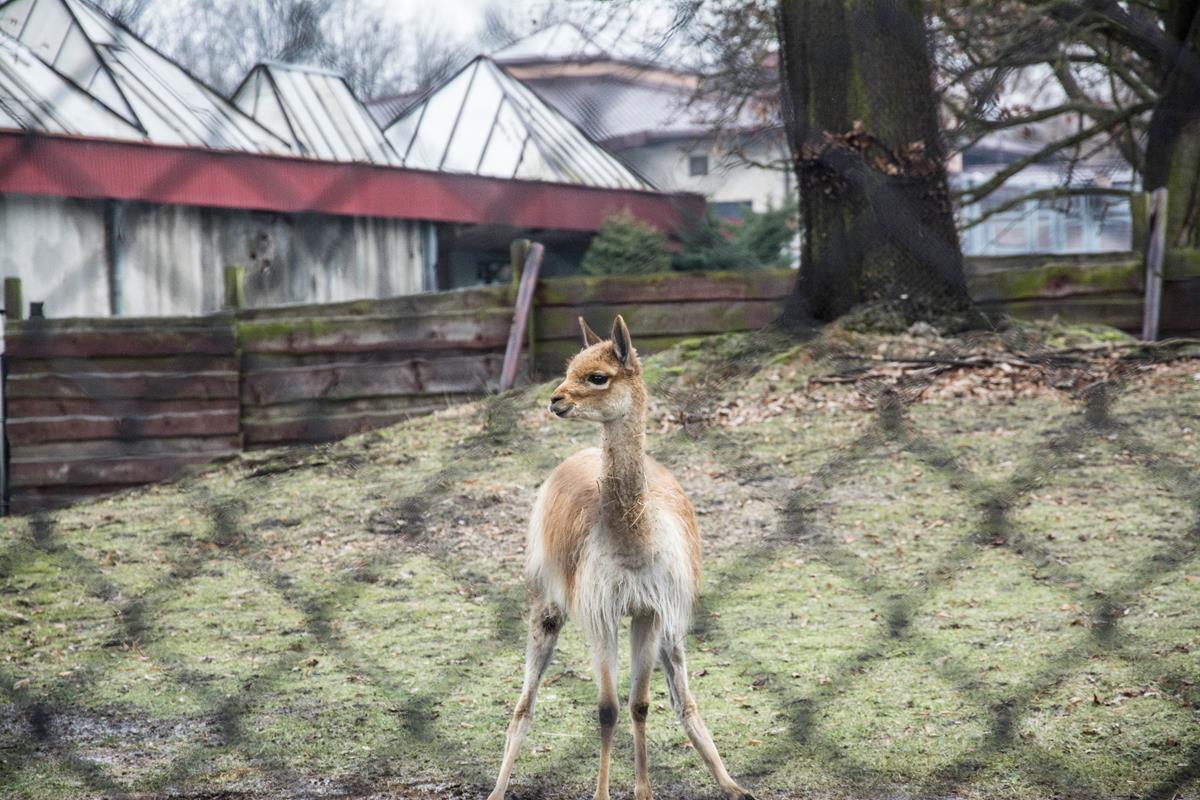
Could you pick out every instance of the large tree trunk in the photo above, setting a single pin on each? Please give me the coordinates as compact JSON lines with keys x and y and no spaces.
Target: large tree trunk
{"x":1173,"y":144}
{"x":863,"y":127}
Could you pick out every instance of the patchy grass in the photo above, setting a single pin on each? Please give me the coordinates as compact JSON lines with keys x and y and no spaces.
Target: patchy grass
{"x":991,"y":595}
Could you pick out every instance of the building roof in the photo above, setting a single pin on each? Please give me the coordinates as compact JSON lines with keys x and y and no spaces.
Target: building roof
{"x":33,"y":97}
{"x":316,"y":111}
{"x":560,"y":42}
{"x":483,"y":121}
{"x":60,"y":166}
{"x":161,"y":100}
{"x":607,"y":86}
{"x":386,"y":109}
{"x":621,"y":112}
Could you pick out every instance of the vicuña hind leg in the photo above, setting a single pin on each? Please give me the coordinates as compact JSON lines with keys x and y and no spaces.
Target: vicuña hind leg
{"x":545,"y":621}
{"x":674,"y":664}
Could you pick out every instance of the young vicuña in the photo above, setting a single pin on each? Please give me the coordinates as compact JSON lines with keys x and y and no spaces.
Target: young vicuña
{"x":613,"y":535}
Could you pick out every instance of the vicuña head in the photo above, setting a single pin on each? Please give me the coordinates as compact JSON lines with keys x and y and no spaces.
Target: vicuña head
{"x":604,"y":381}
{"x":612,"y":535}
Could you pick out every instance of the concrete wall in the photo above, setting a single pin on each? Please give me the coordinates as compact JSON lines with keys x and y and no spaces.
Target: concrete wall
{"x":730,"y":178}
{"x":170,"y":260}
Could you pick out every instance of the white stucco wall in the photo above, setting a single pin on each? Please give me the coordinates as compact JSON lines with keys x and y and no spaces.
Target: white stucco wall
{"x":178,"y":256}
{"x":172,"y":258}
{"x":56,"y":248}
{"x":730,"y":178}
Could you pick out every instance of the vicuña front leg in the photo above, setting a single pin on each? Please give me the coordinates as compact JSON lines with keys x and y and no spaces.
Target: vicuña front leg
{"x":643,"y":640}
{"x":545,"y":621}
{"x":604,"y":659}
{"x":674,"y":664}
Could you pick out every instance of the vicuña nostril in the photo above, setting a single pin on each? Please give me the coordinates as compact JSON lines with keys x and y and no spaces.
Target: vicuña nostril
{"x":556,"y":399}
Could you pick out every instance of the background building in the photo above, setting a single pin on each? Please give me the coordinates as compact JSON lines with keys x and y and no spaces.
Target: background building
{"x":649,"y":115}
{"x":127,"y":185}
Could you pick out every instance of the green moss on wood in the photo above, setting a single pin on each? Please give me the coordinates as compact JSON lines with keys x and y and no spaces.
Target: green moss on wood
{"x":1054,"y":279}
{"x":600,"y":289}
{"x":262,"y":330}
{"x":1139,"y":212}
{"x":1180,"y":263}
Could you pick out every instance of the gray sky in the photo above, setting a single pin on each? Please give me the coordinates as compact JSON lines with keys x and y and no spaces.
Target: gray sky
{"x":461,"y":18}
{"x":464,"y":19}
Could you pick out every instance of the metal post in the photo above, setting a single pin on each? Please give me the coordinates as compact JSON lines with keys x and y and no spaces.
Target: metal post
{"x":1152,"y":307}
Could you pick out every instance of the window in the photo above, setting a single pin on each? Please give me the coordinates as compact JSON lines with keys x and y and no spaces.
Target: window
{"x":697,"y":165}
{"x":730,"y":210}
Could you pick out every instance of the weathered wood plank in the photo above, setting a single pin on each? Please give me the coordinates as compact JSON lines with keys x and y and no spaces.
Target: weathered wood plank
{"x":119,"y":324}
{"x":127,"y":407}
{"x":982,"y":265}
{"x":32,"y":430}
{"x":1120,"y":310}
{"x":757,"y":284}
{"x":482,"y":330}
{"x":660,"y":319}
{"x":349,"y":380}
{"x":552,"y":356}
{"x":146,"y":341}
{"x":321,"y":420}
{"x":359,"y":405}
{"x":325,"y":428}
{"x":1181,"y":263}
{"x":183,"y":363}
{"x":103,"y":386}
{"x":1180,"y":307}
{"x":414,"y":305}
{"x":107,"y":471}
{"x":121,"y":448}
{"x":1054,"y":280}
{"x":258,"y":362}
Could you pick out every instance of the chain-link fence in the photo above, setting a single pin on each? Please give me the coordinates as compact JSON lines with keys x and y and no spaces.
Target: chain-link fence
{"x":410,"y":504}
{"x":405,"y":511}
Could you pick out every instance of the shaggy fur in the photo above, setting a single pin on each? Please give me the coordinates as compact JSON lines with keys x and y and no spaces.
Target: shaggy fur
{"x":613,"y":535}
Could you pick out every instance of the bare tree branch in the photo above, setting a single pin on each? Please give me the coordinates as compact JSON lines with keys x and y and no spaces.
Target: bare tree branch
{"x":1045,"y":194}
{"x":976,"y":193}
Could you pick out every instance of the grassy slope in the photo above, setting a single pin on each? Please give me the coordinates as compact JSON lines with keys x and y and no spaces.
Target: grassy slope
{"x":351,"y":617}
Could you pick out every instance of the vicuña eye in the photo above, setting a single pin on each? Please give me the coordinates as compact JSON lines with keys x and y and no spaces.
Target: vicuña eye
{"x":597,"y":378}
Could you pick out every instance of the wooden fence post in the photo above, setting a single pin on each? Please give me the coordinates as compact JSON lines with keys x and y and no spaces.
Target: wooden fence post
{"x":235,"y":287}
{"x":1152,"y":306}
{"x":13,"y":302}
{"x":521,"y":315}
{"x":519,"y":252}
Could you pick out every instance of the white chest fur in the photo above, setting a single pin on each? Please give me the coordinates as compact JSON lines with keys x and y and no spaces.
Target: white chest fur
{"x":617,"y":581}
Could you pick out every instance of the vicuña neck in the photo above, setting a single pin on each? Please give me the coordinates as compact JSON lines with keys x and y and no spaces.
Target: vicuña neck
{"x":623,"y":486}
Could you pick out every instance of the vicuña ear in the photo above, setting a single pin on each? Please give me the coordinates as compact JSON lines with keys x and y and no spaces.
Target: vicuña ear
{"x":622,"y":345}
{"x":589,"y":336}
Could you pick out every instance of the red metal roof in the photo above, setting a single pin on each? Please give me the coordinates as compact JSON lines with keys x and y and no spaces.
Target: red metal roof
{"x":89,"y":168}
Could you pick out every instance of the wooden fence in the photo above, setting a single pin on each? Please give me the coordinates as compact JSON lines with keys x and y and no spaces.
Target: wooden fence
{"x":661,"y":310}
{"x":315,"y":373}
{"x":96,"y":405}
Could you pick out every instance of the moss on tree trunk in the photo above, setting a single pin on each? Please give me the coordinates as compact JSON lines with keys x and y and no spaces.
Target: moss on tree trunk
{"x":863,"y":127}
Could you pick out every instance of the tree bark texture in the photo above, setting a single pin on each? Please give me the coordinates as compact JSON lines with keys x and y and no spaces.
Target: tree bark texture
{"x":863,"y":128}
{"x":1173,"y":144}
